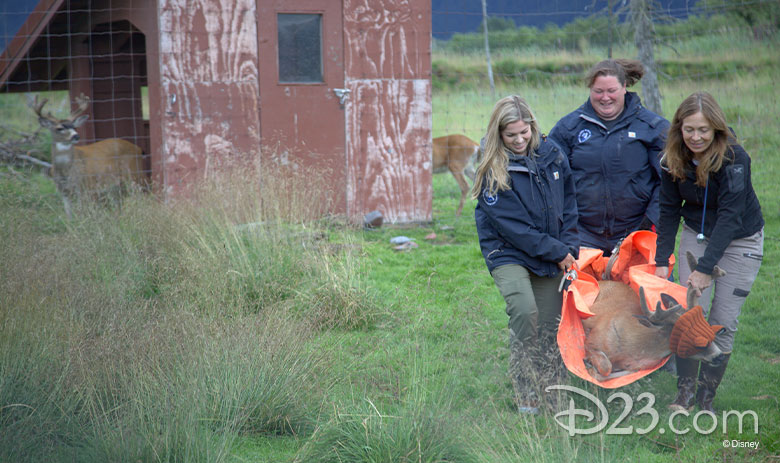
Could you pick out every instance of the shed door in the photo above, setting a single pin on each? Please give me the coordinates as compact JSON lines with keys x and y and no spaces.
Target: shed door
{"x":301,"y":65}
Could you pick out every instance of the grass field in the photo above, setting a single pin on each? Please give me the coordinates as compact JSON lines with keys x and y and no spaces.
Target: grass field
{"x":159,"y":333}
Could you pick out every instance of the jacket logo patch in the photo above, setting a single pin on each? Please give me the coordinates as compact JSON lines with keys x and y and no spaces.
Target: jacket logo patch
{"x":631,"y":134}
{"x":736,"y":178}
{"x":556,"y":176}
{"x":584,"y":135}
{"x":490,"y":200}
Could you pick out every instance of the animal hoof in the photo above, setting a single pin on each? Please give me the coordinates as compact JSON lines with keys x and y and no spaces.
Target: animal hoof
{"x":600,"y":362}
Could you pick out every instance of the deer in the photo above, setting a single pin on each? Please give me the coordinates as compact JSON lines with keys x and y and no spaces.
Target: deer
{"x":456,"y":153}
{"x":104,"y":167}
{"x":625,"y":336}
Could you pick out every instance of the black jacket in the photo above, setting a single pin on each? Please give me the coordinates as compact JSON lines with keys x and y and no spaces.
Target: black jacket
{"x":733,"y":210}
{"x":617,"y":172}
{"x":534,"y":223}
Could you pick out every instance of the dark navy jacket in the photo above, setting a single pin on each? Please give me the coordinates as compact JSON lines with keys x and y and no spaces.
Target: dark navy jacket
{"x":616,"y":171}
{"x":534,"y":223}
{"x":733,"y":210}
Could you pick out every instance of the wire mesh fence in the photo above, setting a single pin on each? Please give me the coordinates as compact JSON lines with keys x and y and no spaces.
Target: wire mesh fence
{"x":60,"y":48}
{"x":708,"y":48}
{"x":86,"y":63}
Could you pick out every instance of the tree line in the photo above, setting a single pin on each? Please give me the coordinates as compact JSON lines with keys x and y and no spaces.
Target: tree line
{"x":761,"y":17}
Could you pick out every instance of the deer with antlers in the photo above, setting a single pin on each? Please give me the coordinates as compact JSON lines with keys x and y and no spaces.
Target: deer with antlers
{"x":625,"y":336}
{"x":105,"y":167}
{"x":456,"y":153}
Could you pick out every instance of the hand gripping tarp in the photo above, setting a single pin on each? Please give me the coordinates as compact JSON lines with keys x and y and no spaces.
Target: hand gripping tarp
{"x":635,"y":266}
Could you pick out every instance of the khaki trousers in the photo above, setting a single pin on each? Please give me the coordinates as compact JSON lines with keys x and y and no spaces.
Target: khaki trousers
{"x":723,"y":300}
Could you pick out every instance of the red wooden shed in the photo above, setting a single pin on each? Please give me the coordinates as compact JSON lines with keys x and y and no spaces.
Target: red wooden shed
{"x":341,"y":86}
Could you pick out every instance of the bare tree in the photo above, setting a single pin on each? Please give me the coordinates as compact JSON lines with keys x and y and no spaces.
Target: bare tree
{"x":610,"y":20}
{"x":487,"y":48}
{"x":644,"y":37}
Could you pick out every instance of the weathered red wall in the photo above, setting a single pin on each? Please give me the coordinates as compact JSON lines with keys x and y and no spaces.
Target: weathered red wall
{"x":209,"y":87}
{"x":208,"y":68}
{"x":388,"y":70}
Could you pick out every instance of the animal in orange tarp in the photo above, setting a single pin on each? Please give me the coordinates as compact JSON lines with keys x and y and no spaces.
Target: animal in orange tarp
{"x":627,"y":340}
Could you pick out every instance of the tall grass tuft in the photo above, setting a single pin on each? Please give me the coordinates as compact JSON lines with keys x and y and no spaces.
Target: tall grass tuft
{"x":514,"y":438}
{"x":341,"y":297}
{"x":417,"y":423}
{"x":153,"y":332}
{"x":417,"y":431}
{"x":38,"y":412}
{"x":205,"y":383}
{"x":254,"y":245}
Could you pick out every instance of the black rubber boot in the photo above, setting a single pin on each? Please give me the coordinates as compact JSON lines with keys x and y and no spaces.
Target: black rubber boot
{"x":709,"y":379}
{"x":686,"y":384}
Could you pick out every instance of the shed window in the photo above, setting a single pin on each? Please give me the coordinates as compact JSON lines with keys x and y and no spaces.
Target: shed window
{"x":300,"y":48}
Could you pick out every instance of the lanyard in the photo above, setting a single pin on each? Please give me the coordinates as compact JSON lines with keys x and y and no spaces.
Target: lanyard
{"x":700,"y":237}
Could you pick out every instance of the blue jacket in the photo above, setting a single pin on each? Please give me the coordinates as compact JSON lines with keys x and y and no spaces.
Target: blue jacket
{"x":733,"y":210}
{"x":616,"y":171}
{"x":534,"y":223}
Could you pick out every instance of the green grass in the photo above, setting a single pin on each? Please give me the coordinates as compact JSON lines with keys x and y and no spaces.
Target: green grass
{"x":226,"y":329}
{"x":152,"y":333}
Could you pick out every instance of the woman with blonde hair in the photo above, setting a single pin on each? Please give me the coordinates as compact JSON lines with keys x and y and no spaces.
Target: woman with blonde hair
{"x":706,"y":182}
{"x":526,"y":218}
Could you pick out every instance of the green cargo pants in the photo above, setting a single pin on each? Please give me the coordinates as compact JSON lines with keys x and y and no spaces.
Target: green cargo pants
{"x":533,"y":303}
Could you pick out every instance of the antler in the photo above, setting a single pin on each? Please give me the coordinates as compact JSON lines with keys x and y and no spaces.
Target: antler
{"x":37,"y":106}
{"x":661,"y":317}
{"x":83,"y":102}
{"x":645,"y":308}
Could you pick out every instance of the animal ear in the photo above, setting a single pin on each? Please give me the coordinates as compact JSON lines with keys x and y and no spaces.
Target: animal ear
{"x":717,"y":272}
{"x":692,"y":260}
{"x":668,"y":300}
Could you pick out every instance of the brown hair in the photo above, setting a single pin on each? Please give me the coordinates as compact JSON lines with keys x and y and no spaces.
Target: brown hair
{"x":627,"y":71}
{"x":492,"y":170}
{"x":677,"y":156}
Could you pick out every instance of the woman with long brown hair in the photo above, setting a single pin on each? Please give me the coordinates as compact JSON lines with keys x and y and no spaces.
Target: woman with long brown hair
{"x":706,"y":182}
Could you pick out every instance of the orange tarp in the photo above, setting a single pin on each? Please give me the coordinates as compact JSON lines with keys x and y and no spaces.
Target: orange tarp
{"x":635,"y":266}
